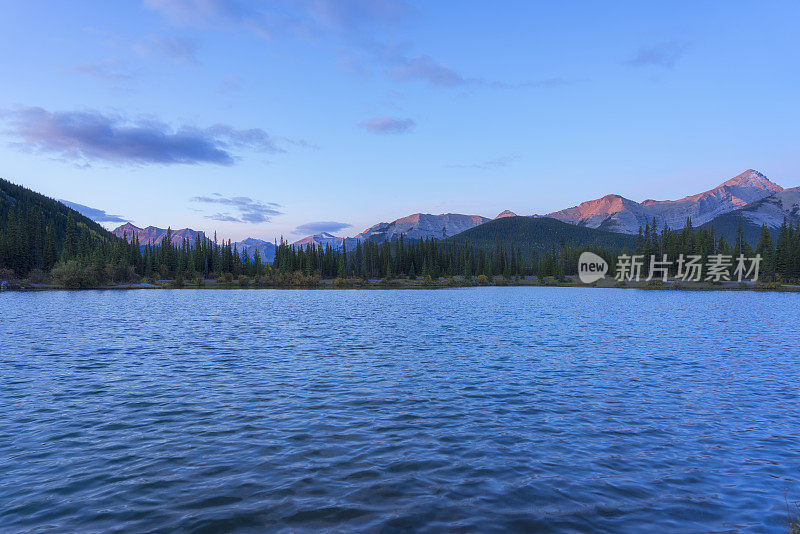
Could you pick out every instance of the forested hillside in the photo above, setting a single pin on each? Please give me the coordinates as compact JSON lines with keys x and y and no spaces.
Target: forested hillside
{"x":37,"y":231}
{"x":540,"y":234}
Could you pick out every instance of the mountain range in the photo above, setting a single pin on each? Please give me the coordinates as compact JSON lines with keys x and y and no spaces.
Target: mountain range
{"x":749,"y":200}
{"x":155,"y":236}
{"x":414,"y":227}
{"x":421,"y":226}
{"x":619,"y":214}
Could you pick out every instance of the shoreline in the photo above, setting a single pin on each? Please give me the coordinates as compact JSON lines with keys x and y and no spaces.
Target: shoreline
{"x":404,"y":283}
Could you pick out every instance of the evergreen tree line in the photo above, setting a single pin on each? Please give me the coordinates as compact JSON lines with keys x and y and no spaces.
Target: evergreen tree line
{"x":205,"y":258}
{"x":428,"y":258}
{"x":118,"y":260}
{"x":780,"y":258}
{"x":74,"y":251}
{"x":434,"y":258}
{"x":30,"y":240}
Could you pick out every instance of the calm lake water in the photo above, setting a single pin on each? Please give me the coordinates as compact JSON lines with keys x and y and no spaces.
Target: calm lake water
{"x":487,"y":409}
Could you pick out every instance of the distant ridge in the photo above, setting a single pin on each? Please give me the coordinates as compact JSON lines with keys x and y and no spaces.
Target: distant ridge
{"x":413,"y":227}
{"x":422,"y":226}
{"x":155,"y":235}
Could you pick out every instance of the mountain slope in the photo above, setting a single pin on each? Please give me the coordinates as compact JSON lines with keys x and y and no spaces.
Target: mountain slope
{"x":12,"y":195}
{"x":620,"y":214}
{"x":771,"y":210}
{"x":266,"y":249}
{"x":774,"y":208}
{"x":540,"y":234}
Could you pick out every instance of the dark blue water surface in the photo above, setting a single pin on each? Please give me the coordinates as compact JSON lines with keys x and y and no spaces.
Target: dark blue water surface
{"x":482,"y":409}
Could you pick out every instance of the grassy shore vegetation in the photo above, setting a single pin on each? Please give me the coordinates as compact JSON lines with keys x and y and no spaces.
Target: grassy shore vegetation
{"x":44,"y":242}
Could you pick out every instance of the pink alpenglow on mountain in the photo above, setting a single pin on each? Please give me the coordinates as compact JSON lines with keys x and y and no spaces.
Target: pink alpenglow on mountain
{"x":619,"y":214}
{"x":505,"y":213}
{"x":322,"y":240}
{"x":154,"y":235}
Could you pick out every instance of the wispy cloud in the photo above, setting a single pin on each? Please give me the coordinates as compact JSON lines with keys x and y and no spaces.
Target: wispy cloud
{"x":544,"y":83}
{"x":222,"y":217}
{"x":202,"y":12}
{"x":664,"y":54}
{"x":388,"y":125}
{"x":317,"y":227}
{"x":91,"y":135}
{"x":348,"y":18}
{"x":248,"y":210}
{"x":427,"y":69}
{"x":363,"y":27}
{"x":437,"y":74}
{"x":175,"y":48}
{"x":488,"y":164}
{"x":229,"y":84}
{"x":94,"y":214}
{"x":302,"y":143}
{"x":112,"y":71}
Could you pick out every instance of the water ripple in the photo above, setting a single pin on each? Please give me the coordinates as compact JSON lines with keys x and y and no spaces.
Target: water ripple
{"x":483,"y":409}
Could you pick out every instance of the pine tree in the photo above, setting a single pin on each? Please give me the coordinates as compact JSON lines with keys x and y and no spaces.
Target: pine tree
{"x":50,"y":254}
{"x":767,"y":251}
{"x":739,"y":246}
{"x":782,"y":252}
{"x":341,"y":271}
{"x":71,"y":239}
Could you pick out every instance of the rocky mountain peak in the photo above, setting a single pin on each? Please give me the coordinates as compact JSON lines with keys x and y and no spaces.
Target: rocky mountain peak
{"x":753,"y":178}
{"x":505,"y":213}
{"x":127,"y":227}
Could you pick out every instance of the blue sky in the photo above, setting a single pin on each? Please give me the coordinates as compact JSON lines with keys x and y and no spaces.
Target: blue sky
{"x":275,"y":118}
